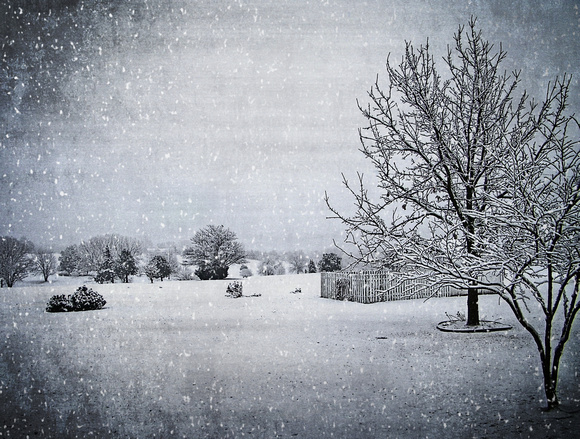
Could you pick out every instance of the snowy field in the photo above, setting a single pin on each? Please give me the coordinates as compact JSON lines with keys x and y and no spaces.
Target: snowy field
{"x":179,"y":359}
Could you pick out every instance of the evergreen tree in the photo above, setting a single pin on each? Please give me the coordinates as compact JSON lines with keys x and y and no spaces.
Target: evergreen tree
{"x":330,"y":262}
{"x":125,"y":266}
{"x":70,"y":260}
{"x":106,"y":272}
{"x":311,"y":266}
{"x":158,"y":267}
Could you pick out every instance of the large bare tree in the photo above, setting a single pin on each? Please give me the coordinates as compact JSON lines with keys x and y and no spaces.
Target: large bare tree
{"x":478,"y":185}
{"x":435,"y":143}
{"x":534,"y":249}
{"x":15,"y":261}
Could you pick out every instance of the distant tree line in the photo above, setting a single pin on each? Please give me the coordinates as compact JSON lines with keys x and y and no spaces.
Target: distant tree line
{"x":107,"y":258}
{"x":273,"y":263}
{"x":113,"y":257}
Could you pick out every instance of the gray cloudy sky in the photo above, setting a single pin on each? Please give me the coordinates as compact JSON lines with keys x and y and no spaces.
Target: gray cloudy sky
{"x":170,"y":115}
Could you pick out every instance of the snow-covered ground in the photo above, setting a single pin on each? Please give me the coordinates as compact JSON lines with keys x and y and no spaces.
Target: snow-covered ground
{"x":179,"y":359}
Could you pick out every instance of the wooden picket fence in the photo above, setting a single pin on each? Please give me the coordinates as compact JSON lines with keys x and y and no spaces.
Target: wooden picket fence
{"x":379,"y":286}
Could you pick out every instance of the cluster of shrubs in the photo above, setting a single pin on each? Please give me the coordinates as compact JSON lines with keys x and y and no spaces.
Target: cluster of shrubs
{"x":83,"y":299}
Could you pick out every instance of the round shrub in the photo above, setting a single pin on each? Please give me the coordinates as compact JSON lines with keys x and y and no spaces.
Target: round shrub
{"x":235,"y":290}
{"x":83,"y":299}
{"x":211,"y":272}
{"x":59,"y":303}
{"x":245,"y":272}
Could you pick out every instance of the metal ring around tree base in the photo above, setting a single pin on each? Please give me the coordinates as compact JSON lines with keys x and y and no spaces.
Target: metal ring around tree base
{"x":484,"y":326}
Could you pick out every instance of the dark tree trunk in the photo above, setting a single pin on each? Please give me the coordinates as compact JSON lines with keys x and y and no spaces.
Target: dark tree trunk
{"x":550,"y":383}
{"x":472,"y":307}
{"x":472,"y":292}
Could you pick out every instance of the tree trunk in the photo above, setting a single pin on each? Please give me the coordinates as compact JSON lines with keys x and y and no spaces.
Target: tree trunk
{"x":472,"y":292}
{"x":550,"y":382}
{"x":472,"y":306}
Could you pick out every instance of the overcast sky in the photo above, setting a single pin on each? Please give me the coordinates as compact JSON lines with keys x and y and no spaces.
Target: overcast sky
{"x":168,"y":115}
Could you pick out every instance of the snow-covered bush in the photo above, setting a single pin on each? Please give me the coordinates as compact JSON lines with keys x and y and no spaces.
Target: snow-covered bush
{"x":59,"y":303}
{"x":83,"y":299}
{"x":245,"y":272}
{"x":234,"y":290}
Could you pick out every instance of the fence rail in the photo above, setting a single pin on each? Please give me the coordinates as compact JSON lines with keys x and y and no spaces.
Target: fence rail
{"x":379,"y":286}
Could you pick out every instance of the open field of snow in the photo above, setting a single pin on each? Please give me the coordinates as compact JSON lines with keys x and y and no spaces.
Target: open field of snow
{"x":179,"y":359}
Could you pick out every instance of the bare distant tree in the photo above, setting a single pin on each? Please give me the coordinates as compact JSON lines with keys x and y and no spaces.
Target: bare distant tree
{"x":213,"y":250}
{"x":478,"y":189}
{"x":92,"y":252}
{"x":15,"y":262}
{"x":271,"y":267}
{"x":45,"y":263}
{"x":298,"y":262}
{"x":171,"y":256}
